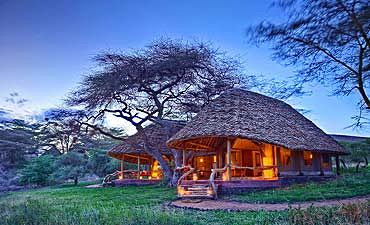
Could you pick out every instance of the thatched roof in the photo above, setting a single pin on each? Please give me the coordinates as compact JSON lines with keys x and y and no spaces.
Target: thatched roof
{"x":245,"y":114}
{"x":157,"y":135}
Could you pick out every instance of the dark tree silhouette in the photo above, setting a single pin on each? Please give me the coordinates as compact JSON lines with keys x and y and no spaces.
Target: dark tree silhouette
{"x":328,"y":40}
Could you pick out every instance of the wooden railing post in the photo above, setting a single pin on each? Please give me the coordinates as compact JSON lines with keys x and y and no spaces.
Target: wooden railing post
{"x":122,"y":167}
{"x":183,"y":158}
{"x":228,"y":160}
{"x":138,"y":167}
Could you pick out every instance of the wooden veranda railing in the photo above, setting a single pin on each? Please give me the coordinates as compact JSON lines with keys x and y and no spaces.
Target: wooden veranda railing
{"x":221,"y":170}
{"x":190,"y":171}
{"x":212,"y":179}
{"x":108,"y":178}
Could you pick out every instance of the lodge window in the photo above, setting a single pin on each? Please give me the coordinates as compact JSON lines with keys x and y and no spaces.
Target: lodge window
{"x":285,"y":157}
{"x":307,"y":157}
{"x":236,"y":158}
{"x":325,"y":160}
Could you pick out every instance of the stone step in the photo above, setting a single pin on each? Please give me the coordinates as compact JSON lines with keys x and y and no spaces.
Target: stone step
{"x":197,"y":188}
{"x":197,"y":191}
{"x":196,"y":196}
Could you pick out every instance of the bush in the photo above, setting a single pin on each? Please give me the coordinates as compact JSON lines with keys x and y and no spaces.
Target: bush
{"x":101,"y":164}
{"x":72,"y":165}
{"x":38,"y":171}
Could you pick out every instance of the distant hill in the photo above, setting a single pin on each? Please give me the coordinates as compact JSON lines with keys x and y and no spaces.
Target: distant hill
{"x":348,"y":138}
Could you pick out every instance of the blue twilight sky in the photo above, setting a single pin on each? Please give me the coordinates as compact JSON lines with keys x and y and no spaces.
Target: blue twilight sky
{"x":45,"y":46}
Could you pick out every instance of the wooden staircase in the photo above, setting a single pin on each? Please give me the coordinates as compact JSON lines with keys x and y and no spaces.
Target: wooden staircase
{"x":195,"y":189}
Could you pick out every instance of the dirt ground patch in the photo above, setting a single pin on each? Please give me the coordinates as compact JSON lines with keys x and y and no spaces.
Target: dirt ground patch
{"x":241,"y":206}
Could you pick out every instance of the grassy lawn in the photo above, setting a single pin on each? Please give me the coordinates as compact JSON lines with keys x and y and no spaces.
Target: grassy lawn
{"x":146,"y":205}
{"x":349,"y":185}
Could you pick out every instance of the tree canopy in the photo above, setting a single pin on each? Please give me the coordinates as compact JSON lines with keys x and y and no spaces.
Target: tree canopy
{"x":328,"y":41}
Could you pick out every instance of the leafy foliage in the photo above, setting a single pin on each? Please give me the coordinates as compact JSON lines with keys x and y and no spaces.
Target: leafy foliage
{"x":101,"y":164}
{"x":38,"y":171}
{"x":16,"y":141}
{"x":71,"y":165}
{"x":359,"y":153}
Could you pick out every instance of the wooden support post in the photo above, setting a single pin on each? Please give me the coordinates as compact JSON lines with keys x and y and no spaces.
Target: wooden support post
{"x":299,"y":155}
{"x":278,"y":161}
{"x":337,"y":164}
{"x":122,"y":167}
{"x":228,"y":159}
{"x":320,"y":164}
{"x":138,"y":167}
{"x":183,"y":158}
{"x":217,"y":160}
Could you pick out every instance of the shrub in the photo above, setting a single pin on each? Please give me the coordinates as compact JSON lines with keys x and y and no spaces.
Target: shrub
{"x":71,"y":165}
{"x":38,"y":171}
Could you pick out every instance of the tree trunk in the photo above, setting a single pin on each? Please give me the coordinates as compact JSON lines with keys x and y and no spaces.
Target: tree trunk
{"x":366,"y":161}
{"x":178,"y":163}
{"x":357,"y":167}
{"x":76,"y":180}
{"x":166,"y":170}
{"x":344,"y":163}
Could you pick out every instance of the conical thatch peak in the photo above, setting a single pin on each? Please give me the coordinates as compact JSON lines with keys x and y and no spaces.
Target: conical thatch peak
{"x":245,"y":114}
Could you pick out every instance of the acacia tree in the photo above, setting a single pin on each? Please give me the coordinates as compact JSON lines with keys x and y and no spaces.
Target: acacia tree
{"x":328,"y":40}
{"x":58,"y":131}
{"x":16,"y":141}
{"x":166,"y":79}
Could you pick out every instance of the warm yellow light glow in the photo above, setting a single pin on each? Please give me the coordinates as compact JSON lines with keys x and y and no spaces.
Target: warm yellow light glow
{"x":180,"y":191}
{"x":224,"y":176}
{"x":156,"y":170}
{"x":214,"y":159}
{"x":209,"y":192}
{"x":267,"y":160}
{"x":310,"y":155}
{"x":195,"y":176}
{"x":201,"y":160}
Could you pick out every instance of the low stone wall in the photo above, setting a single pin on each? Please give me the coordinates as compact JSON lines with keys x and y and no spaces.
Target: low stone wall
{"x":289,"y":180}
{"x":235,"y":187}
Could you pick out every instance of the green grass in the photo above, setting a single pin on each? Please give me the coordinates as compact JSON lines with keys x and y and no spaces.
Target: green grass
{"x":147,"y":205}
{"x":126,"y":205}
{"x":349,"y":185}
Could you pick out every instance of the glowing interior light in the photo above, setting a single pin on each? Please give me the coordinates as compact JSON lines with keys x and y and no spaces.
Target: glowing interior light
{"x":214,"y":159}
{"x":195,"y":176}
{"x":224,"y":176}
{"x":201,"y":160}
{"x":155,"y":170}
{"x":181,"y":191}
{"x":267,"y":160}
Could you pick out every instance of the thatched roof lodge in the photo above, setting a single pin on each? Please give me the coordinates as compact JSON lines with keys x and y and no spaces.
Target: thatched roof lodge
{"x":258,"y":137}
{"x":131,"y":150}
{"x":245,"y":114}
